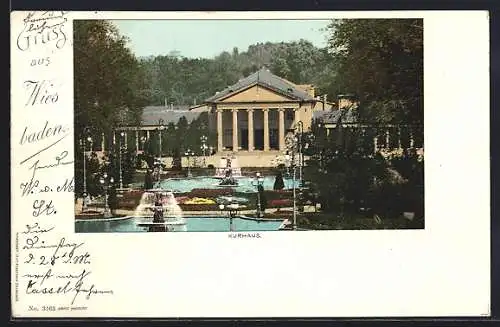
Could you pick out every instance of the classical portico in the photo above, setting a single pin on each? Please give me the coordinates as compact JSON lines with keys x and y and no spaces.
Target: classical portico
{"x":255,"y":113}
{"x":253,"y":129}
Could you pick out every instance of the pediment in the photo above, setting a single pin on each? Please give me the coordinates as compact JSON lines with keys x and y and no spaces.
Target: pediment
{"x":257,"y":93}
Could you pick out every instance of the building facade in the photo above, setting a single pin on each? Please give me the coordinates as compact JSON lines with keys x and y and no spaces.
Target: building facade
{"x":255,"y":114}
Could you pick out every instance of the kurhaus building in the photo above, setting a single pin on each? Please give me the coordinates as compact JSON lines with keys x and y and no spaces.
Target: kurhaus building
{"x":255,"y":113}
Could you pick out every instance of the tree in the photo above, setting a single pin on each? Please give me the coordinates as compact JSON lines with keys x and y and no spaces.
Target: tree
{"x":107,"y":77}
{"x":297,"y":61}
{"x":380,"y":60}
{"x":108,"y":81}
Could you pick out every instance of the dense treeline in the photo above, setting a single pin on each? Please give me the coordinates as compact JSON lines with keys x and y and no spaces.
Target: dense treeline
{"x":179,"y":80}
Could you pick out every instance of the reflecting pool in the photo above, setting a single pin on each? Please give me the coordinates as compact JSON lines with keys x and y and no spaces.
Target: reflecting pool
{"x":193,"y":224}
{"x":245,"y":184}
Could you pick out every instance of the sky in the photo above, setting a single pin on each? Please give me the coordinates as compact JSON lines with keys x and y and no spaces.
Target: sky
{"x":208,"y":38}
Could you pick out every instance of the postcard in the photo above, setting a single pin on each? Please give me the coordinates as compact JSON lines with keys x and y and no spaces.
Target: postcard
{"x":250,"y":164}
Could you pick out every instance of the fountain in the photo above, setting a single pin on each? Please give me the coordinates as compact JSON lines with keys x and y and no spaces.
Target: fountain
{"x":228,"y":164}
{"x":159,"y":211}
{"x":228,"y":179}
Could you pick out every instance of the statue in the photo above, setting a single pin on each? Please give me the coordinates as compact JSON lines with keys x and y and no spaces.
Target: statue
{"x":148,"y":180}
{"x":229,"y":179}
{"x":279,"y":184}
{"x":262,"y":199}
{"x":158,"y":215}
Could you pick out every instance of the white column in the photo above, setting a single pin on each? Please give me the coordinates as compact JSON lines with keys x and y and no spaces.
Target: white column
{"x":147,"y":134}
{"x":412,"y":141}
{"x":281,"y":126}
{"x":399,"y":137}
{"x":220,"y":131}
{"x":114,"y":138}
{"x":375,"y":149}
{"x":266,"y":129}
{"x":296,"y":115}
{"x":125,"y":139}
{"x":387,"y":143}
{"x":250,"y":130}
{"x":235,"y":130}
{"x":102,"y":142}
{"x":136,"y":140}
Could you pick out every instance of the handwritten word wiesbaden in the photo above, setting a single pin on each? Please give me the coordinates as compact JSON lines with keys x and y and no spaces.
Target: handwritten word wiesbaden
{"x":40,"y":92}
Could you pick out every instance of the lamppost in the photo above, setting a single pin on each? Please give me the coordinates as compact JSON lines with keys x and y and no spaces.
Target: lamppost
{"x":122,"y":134}
{"x":233,"y":209}
{"x":106,"y":181}
{"x":298,"y":139}
{"x":161,"y":127}
{"x":189,"y":153}
{"x":290,"y":159}
{"x":308,"y":149}
{"x":84,"y":145}
{"x":258,"y":181}
{"x":204,"y":147}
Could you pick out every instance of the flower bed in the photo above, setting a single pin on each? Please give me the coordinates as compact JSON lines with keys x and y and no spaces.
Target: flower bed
{"x":210,"y":193}
{"x":198,"y":201}
{"x":181,"y":199}
{"x":280,"y":203}
{"x":199,"y":207}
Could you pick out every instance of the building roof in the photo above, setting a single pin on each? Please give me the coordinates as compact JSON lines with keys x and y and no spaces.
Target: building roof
{"x":265,"y":78}
{"x":347,"y":116}
{"x":152,"y":114}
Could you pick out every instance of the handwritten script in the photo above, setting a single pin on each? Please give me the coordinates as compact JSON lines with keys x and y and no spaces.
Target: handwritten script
{"x":60,"y":268}
{"x":51,"y":266}
{"x":52,"y":134}
{"x":43,"y":28}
